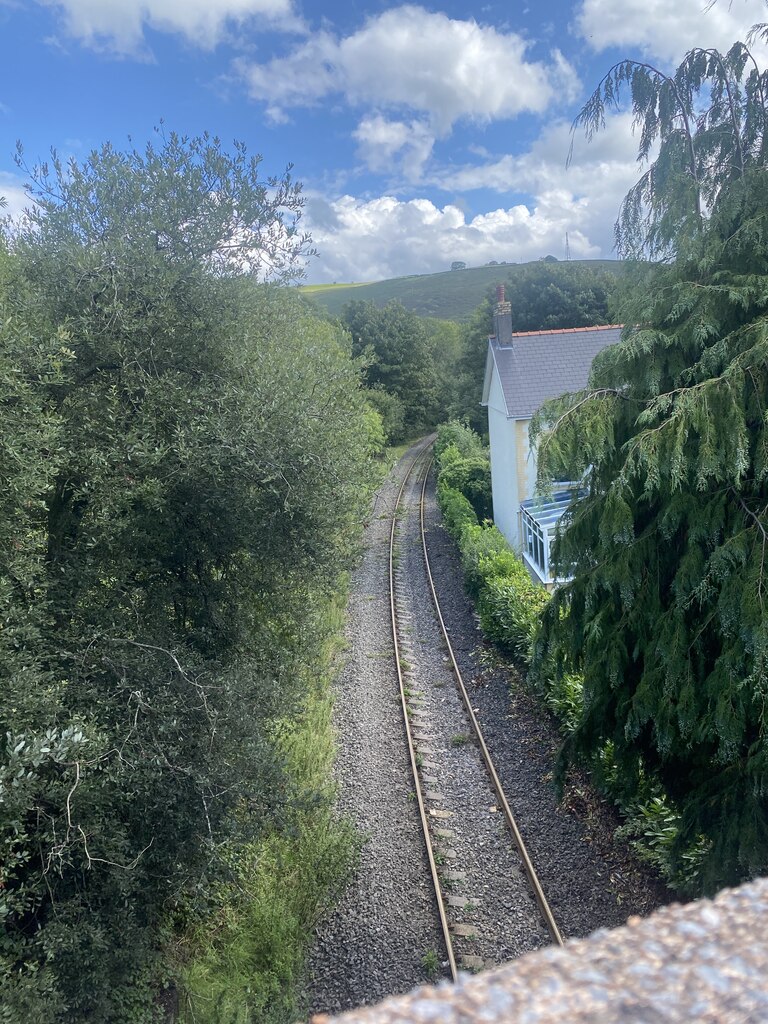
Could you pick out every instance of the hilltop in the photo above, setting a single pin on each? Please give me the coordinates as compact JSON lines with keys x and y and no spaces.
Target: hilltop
{"x":450,"y":295}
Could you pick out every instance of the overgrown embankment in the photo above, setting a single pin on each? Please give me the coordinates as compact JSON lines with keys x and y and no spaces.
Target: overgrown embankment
{"x":186,"y":456}
{"x":245,"y":962}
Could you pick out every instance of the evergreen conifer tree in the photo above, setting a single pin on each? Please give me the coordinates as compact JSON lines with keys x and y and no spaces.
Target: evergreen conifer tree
{"x":667,"y":611}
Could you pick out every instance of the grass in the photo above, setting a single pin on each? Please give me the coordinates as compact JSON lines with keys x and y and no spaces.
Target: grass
{"x":394,"y":454}
{"x":244,"y":963}
{"x":430,"y":963}
{"x":314,"y":289}
{"x":461,"y":739}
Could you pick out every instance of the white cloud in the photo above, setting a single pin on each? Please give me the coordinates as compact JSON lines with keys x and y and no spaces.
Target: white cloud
{"x":667,"y":29}
{"x":371,"y":239}
{"x":368,"y":240}
{"x":118,"y":25}
{"x":386,"y":146}
{"x":410,"y":58}
{"x":609,"y":158}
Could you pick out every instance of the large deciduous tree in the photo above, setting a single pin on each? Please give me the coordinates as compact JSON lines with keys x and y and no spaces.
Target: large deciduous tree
{"x":401,"y":362}
{"x":667,"y":612}
{"x":182,"y":454}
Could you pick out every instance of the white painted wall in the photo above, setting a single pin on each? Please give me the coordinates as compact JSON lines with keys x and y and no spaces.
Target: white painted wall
{"x":513,"y":464}
{"x":528,"y":458}
{"x":501,"y":432}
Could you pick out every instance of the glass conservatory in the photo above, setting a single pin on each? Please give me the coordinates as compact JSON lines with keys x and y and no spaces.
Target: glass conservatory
{"x":538,"y":525}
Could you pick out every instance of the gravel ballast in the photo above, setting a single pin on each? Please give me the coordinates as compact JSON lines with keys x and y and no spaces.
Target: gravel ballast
{"x":375,"y":941}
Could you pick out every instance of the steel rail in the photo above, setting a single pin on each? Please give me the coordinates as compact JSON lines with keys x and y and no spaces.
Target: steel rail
{"x":411,"y":749}
{"x":541,"y":899}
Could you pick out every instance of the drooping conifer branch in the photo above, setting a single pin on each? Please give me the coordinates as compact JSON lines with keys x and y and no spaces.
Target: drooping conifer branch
{"x":665,"y":614}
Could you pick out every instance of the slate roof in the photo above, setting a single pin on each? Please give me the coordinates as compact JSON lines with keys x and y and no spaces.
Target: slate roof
{"x":539,"y":365}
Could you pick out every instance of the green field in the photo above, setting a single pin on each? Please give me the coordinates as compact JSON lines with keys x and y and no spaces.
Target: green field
{"x":451,"y":295}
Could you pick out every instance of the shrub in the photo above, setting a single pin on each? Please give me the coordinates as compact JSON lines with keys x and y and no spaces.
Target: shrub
{"x":470,"y":474}
{"x":509,"y":612}
{"x":458,"y":435}
{"x":564,"y":696}
{"x":654,"y":831}
{"x":458,"y":513}
{"x":392,"y":412}
{"x":485,"y":555}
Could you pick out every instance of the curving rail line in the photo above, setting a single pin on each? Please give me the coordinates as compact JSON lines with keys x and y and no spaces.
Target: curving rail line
{"x":423,"y":455}
{"x":411,"y":748}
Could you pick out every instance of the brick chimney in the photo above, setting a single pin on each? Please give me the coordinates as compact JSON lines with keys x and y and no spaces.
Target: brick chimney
{"x":502,"y":318}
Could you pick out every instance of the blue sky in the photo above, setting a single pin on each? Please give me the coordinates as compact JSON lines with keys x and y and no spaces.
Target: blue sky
{"x":423,"y":133}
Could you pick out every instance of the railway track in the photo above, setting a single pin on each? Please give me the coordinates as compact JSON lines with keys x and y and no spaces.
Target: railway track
{"x":491,"y":904}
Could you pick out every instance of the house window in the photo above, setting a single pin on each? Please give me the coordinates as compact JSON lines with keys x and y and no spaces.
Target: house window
{"x":536,"y":546}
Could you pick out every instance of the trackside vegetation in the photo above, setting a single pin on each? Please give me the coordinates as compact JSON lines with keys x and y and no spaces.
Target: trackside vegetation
{"x":185,"y":454}
{"x":245,"y":961}
{"x":511,"y":607}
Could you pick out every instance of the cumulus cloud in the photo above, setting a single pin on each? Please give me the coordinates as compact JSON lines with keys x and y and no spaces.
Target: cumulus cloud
{"x":414,"y":59}
{"x":118,"y":25}
{"x":609,"y":158}
{"x":370,"y":239}
{"x":387,"y":146}
{"x":666,"y":30}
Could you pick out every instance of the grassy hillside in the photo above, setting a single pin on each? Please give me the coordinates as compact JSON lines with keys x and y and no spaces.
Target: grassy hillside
{"x":451,"y":295}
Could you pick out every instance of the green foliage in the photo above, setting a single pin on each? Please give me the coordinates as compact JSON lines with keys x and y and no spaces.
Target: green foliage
{"x":430,"y":963}
{"x":246,"y":964}
{"x":564,"y":696}
{"x":485,"y":555}
{"x":707,"y":126}
{"x":465,"y":465}
{"x":458,"y":513}
{"x":665,"y":617}
{"x":184,"y":455}
{"x":399,"y":359}
{"x":654,"y":831}
{"x":459,"y":435}
{"x":391,"y":411}
{"x":509,"y":601}
{"x":510,"y":607}
{"x":471,"y":475}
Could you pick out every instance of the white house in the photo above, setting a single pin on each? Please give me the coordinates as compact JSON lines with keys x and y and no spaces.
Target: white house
{"x":522,"y":371}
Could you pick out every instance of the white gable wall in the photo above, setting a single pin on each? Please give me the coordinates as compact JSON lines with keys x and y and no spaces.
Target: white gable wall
{"x":513,"y":465}
{"x":503,"y":462}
